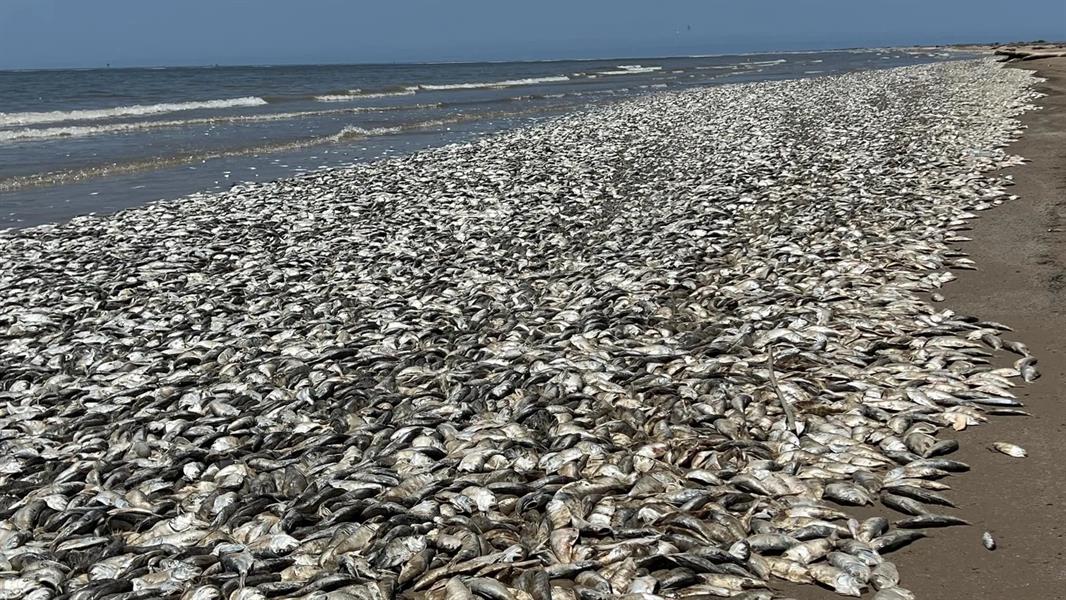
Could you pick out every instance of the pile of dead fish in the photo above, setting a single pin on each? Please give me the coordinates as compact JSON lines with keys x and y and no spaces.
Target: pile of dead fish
{"x":651,"y":350}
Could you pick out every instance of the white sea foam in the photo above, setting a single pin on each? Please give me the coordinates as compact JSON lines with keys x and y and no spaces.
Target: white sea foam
{"x":348,"y":133}
{"x":45,"y":133}
{"x":358,"y":94}
{"x":60,"y":116}
{"x":494,"y":84}
{"x":336,"y":98}
{"x":631,"y":70}
{"x":352,"y":132}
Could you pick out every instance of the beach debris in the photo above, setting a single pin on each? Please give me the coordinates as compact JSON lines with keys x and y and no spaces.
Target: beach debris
{"x":659,"y":347}
{"x":988,"y":541}
{"x":1009,"y":449}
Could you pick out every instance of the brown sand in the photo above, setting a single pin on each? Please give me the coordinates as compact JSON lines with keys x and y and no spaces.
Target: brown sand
{"x":1020,"y":251}
{"x":1006,"y":49}
{"x":1026,"y":52}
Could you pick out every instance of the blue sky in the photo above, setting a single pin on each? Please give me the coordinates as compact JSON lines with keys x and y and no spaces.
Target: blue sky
{"x":89,"y":33}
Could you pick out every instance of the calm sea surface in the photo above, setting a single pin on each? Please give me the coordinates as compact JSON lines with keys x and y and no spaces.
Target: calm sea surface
{"x":80,"y":141}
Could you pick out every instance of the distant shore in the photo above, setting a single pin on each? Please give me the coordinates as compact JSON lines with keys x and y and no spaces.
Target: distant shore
{"x":1017,"y":51}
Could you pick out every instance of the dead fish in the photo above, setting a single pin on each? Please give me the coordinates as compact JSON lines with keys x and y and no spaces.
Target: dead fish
{"x":930,"y":520}
{"x":1027,"y":367}
{"x":1007,"y":412}
{"x":846,"y":493}
{"x":808,"y":552}
{"x":902,"y":504}
{"x":920,"y":494}
{"x":857,"y":569}
{"x":610,"y":354}
{"x":1009,"y":449}
{"x":455,"y":589}
{"x":773,"y":543}
{"x":884,"y":575}
{"x":1016,"y":347}
{"x":489,"y":588}
{"x":837,"y":579}
{"x":894,"y":540}
{"x":871,"y":528}
{"x":894,"y":593}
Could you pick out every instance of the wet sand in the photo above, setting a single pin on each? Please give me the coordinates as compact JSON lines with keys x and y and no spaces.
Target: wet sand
{"x":1020,"y":251}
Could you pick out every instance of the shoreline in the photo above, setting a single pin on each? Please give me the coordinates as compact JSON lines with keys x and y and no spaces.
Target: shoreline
{"x":150,"y":147}
{"x":1020,"y":252}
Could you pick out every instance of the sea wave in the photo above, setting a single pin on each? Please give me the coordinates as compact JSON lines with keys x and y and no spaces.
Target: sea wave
{"x":359,"y":94}
{"x":348,"y":133}
{"x":630,"y":70}
{"x":60,"y":116}
{"x":46,"y":133}
{"x":352,"y":132}
{"x":493,"y":84}
{"x":337,"y":98}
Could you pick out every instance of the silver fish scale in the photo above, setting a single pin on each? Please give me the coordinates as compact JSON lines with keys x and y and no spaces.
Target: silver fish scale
{"x":552,"y":363}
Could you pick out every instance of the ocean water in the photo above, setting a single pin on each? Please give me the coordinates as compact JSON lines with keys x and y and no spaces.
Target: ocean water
{"x":95,"y":141}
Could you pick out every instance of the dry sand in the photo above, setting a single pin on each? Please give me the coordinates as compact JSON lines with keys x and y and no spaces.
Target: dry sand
{"x":1020,"y":251}
{"x":1018,"y":51}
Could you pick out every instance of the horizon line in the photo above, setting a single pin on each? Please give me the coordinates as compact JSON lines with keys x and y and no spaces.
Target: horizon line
{"x":499,"y":61}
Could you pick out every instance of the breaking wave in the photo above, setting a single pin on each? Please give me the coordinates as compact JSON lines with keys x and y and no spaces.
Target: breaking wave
{"x":60,"y":116}
{"x":46,"y":133}
{"x":494,"y":84}
{"x":348,"y":133}
{"x":358,"y":94}
{"x":630,"y":70}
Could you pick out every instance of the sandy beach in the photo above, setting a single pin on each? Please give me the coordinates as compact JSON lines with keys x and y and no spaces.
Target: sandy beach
{"x":1020,"y":251}
{"x":695,"y":344}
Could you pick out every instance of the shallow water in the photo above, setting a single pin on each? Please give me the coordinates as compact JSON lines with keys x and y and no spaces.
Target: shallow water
{"x":80,"y":141}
